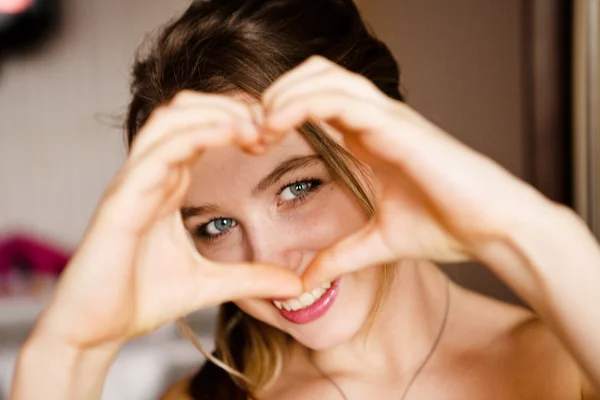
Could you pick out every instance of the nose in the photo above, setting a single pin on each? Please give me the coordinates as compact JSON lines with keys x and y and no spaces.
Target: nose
{"x":271,"y":247}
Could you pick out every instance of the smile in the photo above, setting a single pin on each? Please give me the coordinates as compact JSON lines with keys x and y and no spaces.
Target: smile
{"x":309,"y":306}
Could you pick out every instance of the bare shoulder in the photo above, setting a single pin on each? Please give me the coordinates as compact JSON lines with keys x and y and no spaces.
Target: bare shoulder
{"x":177,"y":391}
{"x":513,"y":342}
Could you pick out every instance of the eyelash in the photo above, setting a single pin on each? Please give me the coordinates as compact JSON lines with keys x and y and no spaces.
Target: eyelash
{"x":313,"y":183}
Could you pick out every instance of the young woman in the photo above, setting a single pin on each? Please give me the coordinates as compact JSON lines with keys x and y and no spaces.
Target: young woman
{"x":273,"y":135}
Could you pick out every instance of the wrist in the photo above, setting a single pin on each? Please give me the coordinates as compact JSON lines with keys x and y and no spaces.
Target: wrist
{"x":542,"y":231}
{"x":46,"y":341}
{"x":46,"y":349}
{"x":50,"y":368}
{"x":70,"y":328}
{"x":520,"y":217}
{"x":542,"y":246}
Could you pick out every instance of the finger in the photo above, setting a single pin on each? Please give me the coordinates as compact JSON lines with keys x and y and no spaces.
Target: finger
{"x":335,"y":107}
{"x":392,"y":131}
{"x":190,"y":114}
{"x":328,"y":80}
{"x":168,"y":121}
{"x":144,"y":186}
{"x":180,"y":149}
{"x":178,"y":190}
{"x":201,"y":99}
{"x":362,"y":249}
{"x":240,"y":110}
{"x":311,"y":66}
{"x":238,"y":281}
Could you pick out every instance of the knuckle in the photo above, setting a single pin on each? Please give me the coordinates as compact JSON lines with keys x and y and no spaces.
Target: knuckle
{"x":356,"y":78}
{"x":320,"y":60}
{"x":363,"y":80}
{"x":341,"y":78}
{"x":159,"y":113}
{"x":184,"y":96}
{"x":238,"y":109}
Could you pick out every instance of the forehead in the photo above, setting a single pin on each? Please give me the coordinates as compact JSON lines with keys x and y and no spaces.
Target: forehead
{"x":229,"y":169}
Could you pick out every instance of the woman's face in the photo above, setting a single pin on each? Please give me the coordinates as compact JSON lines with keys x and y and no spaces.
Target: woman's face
{"x":281,"y":208}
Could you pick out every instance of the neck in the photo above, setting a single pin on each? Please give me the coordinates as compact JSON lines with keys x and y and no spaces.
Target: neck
{"x":403,"y":331}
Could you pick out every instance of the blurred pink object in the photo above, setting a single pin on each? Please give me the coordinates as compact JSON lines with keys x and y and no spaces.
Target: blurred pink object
{"x":14,"y":6}
{"x":31,"y":256}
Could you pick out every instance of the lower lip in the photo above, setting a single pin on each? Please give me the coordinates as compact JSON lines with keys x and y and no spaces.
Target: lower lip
{"x":316,"y":309}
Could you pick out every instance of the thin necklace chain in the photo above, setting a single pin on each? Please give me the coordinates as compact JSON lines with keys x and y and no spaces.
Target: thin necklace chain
{"x":421,"y":366}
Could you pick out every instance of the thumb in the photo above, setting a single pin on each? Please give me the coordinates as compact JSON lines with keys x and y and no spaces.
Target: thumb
{"x":362,"y":249}
{"x":237,"y":281}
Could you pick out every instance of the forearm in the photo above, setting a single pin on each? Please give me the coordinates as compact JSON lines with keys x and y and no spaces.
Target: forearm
{"x":47,"y":369}
{"x":552,"y":261}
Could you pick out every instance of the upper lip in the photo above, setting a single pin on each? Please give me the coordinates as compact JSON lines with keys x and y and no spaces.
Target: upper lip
{"x":281,"y":299}
{"x":271,"y":299}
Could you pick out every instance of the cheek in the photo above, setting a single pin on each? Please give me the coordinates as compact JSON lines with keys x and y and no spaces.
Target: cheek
{"x":335,"y":216}
{"x":331,"y":216}
{"x":230,"y":250}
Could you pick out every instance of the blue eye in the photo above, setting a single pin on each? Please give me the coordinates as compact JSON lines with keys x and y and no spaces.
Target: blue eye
{"x":296,"y":190}
{"x":218,"y":226}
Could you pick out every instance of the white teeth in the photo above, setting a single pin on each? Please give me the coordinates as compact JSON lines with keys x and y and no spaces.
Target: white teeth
{"x":304,"y":300}
{"x":294,"y":304}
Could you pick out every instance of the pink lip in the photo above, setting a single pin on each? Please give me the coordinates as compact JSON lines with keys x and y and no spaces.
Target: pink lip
{"x":315,"y":310}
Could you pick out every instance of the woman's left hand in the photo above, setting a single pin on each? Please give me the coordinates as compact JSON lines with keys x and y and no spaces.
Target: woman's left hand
{"x":437,"y":199}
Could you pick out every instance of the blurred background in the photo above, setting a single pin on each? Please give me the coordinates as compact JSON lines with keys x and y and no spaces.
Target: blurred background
{"x":515,"y":79}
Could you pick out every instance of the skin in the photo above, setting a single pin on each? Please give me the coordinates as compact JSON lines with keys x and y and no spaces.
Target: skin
{"x":437,"y":201}
{"x":277,"y":227}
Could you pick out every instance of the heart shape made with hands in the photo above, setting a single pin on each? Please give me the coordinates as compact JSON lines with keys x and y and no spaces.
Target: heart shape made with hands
{"x":434,"y":199}
{"x":429,"y":197}
{"x":407,"y":224}
{"x":367,"y":246}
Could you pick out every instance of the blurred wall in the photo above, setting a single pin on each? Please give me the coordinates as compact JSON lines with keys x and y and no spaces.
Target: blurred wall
{"x":60,"y":143}
{"x":60,"y":111}
{"x":462,"y":66}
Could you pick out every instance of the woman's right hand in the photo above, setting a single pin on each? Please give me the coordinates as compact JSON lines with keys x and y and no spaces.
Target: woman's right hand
{"x":136,"y":270}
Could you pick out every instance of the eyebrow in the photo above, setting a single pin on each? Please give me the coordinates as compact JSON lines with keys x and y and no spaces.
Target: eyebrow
{"x":273,"y":177}
{"x":188,"y":212}
{"x":284,"y":168}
